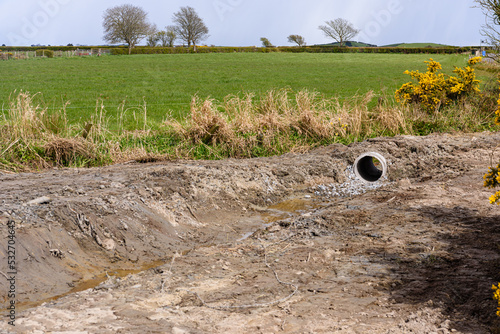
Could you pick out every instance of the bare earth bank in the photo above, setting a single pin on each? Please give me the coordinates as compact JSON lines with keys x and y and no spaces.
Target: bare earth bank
{"x":286,"y":244}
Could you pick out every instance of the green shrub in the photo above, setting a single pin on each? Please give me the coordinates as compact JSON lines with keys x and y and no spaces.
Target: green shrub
{"x":45,"y":53}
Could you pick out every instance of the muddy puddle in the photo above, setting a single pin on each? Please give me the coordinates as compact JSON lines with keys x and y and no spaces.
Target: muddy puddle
{"x":94,"y":282}
{"x":284,"y":210}
{"x":281,"y":211}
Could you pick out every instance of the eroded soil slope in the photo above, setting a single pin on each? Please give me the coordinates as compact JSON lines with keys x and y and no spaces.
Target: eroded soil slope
{"x":286,"y":244}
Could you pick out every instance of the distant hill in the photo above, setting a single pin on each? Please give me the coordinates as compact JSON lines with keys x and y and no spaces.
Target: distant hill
{"x":352,"y":44}
{"x":417,"y":45}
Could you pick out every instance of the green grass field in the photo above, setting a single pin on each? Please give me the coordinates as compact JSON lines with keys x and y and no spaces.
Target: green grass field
{"x":167,"y":82}
{"x":294,"y":105}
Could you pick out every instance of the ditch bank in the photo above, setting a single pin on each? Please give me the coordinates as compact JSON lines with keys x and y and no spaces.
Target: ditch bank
{"x":260,"y":244}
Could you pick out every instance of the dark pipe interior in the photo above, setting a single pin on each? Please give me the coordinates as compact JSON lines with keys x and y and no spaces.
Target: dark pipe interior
{"x":367,"y":169}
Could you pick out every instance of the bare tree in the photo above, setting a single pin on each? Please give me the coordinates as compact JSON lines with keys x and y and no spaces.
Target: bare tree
{"x":162,"y":38}
{"x":299,"y":40}
{"x":491,"y":28}
{"x":189,"y":26}
{"x":171,"y":36}
{"x":153,"y":38}
{"x":340,"y":30}
{"x":167,"y":37}
{"x":266,"y":43}
{"x":126,"y":23}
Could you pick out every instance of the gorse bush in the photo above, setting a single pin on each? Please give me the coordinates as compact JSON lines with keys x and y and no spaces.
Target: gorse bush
{"x":492,"y":178}
{"x":497,"y":113}
{"x":475,"y":60}
{"x":433,"y":89}
{"x":496,"y":296}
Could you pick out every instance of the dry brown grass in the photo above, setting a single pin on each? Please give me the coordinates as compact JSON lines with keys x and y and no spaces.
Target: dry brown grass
{"x":32,"y":138}
{"x":24,"y":119}
{"x":239,"y":126}
{"x":240,"y":122}
{"x":207,"y":124}
{"x":394,"y":119}
{"x":243,"y":124}
{"x":64,"y":151}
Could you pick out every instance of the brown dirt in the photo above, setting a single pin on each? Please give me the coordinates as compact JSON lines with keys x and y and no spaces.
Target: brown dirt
{"x":284,"y":244}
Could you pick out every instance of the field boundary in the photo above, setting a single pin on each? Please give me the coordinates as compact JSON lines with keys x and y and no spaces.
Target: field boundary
{"x":123,"y":50}
{"x":45,"y":53}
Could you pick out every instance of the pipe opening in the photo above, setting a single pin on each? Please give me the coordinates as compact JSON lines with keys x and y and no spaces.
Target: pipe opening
{"x":370,"y":167}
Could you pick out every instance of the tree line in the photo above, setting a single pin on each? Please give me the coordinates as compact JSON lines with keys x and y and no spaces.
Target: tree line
{"x":129,"y":24}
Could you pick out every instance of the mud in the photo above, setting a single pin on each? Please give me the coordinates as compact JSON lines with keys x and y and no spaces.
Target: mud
{"x":291,"y":244}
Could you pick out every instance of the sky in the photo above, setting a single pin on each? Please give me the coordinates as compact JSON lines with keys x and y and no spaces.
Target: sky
{"x":244,"y":22}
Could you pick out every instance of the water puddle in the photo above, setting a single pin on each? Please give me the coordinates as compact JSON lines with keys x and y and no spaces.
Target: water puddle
{"x":274,"y":213}
{"x":294,"y":205}
{"x":90,"y":284}
{"x":283,"y":210}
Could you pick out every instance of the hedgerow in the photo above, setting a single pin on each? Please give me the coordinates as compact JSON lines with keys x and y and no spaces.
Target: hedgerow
{"x":290,"y":49}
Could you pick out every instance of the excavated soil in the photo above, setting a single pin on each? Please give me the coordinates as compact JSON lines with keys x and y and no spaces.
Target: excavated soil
{"x":289,"y":244}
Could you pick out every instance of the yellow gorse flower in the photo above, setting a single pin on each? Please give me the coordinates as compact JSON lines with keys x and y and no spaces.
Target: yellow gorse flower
{"x":492,"y":178}
{"x":496,"y":296}
{"x":475,"y":60}
{"x":433,"y":66}
{"x":497,"y":113}
{"x":495,"y":198}
{"x":433,"y":89}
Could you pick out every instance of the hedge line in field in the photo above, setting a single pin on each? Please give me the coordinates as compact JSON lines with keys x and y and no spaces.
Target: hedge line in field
{"x":308,"y":49}
{"x":121,"y":50}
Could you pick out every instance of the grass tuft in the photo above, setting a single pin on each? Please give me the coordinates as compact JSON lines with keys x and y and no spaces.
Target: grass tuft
{"x":69,"y":151}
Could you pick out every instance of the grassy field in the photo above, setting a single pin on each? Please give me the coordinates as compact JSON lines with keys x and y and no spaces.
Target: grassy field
{"x":141,"y":107}
{"x":167,"y":83}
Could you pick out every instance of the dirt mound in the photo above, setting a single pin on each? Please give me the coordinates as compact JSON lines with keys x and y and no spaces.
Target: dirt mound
{"x":282,"y":244}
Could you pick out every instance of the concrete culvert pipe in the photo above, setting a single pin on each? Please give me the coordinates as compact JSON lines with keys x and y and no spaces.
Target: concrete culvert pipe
{"x":370,"y":167}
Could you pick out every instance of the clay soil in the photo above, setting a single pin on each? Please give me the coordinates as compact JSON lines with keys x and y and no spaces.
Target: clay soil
{"x":289,"y":244}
